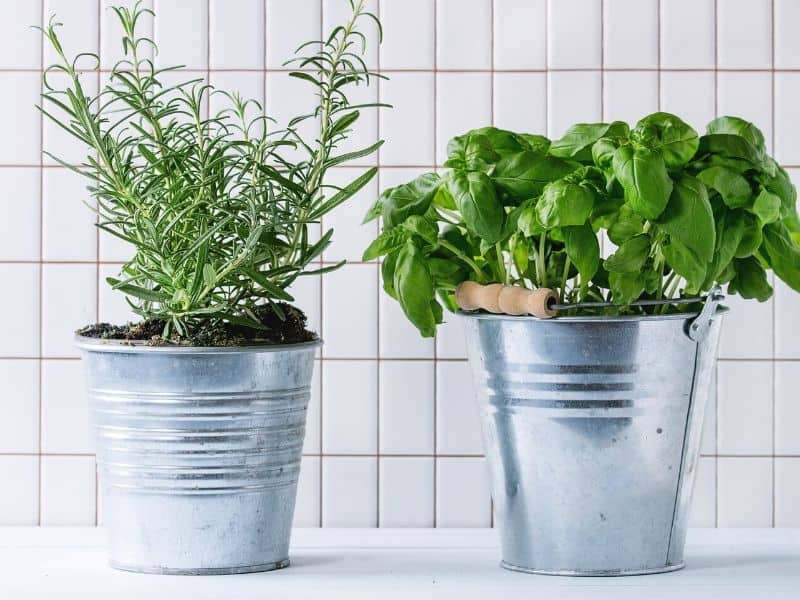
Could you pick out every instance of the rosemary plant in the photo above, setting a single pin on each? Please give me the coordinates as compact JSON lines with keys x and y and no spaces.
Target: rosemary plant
{"x":216,"y":207}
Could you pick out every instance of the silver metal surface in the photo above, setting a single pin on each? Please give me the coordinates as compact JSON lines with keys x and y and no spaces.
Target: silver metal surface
{"x":198,"y":451}
{"x":592,"y":431}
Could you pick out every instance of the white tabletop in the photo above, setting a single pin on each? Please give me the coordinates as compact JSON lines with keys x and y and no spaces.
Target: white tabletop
{"x":379,"y":564}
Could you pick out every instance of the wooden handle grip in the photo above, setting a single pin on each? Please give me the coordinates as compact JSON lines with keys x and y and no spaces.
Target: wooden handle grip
{"x":507,"y":299}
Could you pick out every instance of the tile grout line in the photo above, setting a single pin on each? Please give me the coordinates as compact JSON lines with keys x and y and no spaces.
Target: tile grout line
{"x":716,"y":425}
{"x":378,"y":298}
{"x":492,"y":115}
{"x":658,"y":54}
{"x":435,"y":141}
{"x":321,"y":348}
{"x":774,"y":299}
{"x":41,"y":272}
{"x":602,"y":60}
{"x":97,"y":249}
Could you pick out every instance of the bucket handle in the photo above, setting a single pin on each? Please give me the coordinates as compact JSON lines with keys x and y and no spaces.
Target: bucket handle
{"x":699,"y":327}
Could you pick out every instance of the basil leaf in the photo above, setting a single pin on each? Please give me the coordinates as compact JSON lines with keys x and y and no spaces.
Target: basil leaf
{"x":675,"y":140}
{"x":737,"y":126}
{"x":536,"y":143}
{"x":472,"y":151}
{"x":643,"y":175}
{"x":733,"y":188}
{"x":583,"y":250}
{"x":731,"y":146}
{"x":625,"y":287}
{"x":630,"y":256}
{"x":475,"y":197}
{"x":750,"y":280}
{"x":412,"y":198}
{"x":688,"y":217}
{"x":729,"y":227}
{"x":686,"y":263}
{"x":577,"y":142}
{"x":563,"y":204}
{"x":526,"y":173}
{"x":388,"y":241}
{"x":783,"y":254}
{"x":767,"y":207}
{"x":751,"y":236}
{"x":414,"y":287}
{"x":626,"y":225}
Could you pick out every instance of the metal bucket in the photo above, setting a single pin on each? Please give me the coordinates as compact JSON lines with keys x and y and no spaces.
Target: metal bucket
{"x":198,"y":451}
{"x":592,"y":431}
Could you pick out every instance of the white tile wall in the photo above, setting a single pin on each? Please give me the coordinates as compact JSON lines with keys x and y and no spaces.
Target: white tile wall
{"x":399,"y":446}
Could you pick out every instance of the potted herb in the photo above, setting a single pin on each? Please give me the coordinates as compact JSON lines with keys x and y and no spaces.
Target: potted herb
{"x":199,"y":410}
{"x":591,"y":420}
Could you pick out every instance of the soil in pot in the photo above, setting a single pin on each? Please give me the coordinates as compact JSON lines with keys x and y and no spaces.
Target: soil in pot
{"x":290,"y":330}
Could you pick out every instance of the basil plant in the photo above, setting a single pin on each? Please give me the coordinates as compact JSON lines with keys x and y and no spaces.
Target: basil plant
{"x":684,"y":212}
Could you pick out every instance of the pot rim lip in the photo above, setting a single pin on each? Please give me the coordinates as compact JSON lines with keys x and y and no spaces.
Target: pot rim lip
{"x":588,"y":318}
{"x":138,"y":347}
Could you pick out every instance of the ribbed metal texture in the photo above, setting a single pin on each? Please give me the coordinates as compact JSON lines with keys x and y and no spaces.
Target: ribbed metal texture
{"x":592,"y":431}
{"x":199,"y":453}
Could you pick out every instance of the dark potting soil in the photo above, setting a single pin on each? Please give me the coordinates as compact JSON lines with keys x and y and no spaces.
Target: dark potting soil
{"x":290,"y":330}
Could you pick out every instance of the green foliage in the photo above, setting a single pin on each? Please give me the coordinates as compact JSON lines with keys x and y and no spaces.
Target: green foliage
{"x":684,"y":212}
{"x":217,"y":208}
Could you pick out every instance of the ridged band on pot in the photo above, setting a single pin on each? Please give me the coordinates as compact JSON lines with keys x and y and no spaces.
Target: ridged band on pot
{"x":592,"y":431}
{"x":198,"y":451}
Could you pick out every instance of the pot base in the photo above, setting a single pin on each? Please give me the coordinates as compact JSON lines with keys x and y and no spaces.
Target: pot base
{"x":598,"y":573}
{"x":281,"y":564}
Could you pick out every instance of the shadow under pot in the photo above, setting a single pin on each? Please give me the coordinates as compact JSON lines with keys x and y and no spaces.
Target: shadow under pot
{"x":198,"y":451}
{"x":592,"y":430}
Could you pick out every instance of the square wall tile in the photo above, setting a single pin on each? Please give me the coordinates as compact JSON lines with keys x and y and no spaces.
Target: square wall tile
{"x":19,"y":503}
{"x":19,"y":227}
{"x":787,"y":321}
{"x":20,"y":46}
{"x":573,"y":97}
{"x":747,"y":95}
{"x":236,"y":34}
{"x":19,"y":409}
{"x":336,"y":13}
{"x":787,"y":492}
{"x":80,"y":32}
{"x":112,"y":305}
{"x":68,"y":490}
{"x":463,"y":102}
{"x":20,"y":144}
{"x":249,"y":84}
{"x":349,"y":491}
{"x":403,"y":22}
{"x":787,"y":408}
{"x":19,"y":313}
{"x":399,"y":338}
{"x":463,"y":498}
{"x":450,"y":340}
{"x":406,"y":492}
{"x":68,"y":225}
{"x":66,"y":427}
{"x":458,"y":426}
{"x":408,"y":127}
{"x":350,"y":306}
{"x":629,"y":95}
{"x":520,"y":102}
{"x":745,"y":492}
{"x":111,"y":50}
{"x":463,"y":34}
{"x":573,"y":34}
{"x":745,"y":408}
{"x":745,"y":34}
{"x":307,"y":505}
{"x":747,"y":329}
{"x":282,"y":40}
{"x":787,"y":118}
{"x":69,"y":295}
{"x":787,"y":42}
{"x":631,"y":34}
{"x":350,"y":237}
{"x":311,"y":443}
{"x":704,"y":500}
{"x":520,"y":34}
{"x":687,"y":34}
{"x":349,"y":407}
{"x":181,"y":33}
{"x":690,"y":95}
{"x":406,"y":407}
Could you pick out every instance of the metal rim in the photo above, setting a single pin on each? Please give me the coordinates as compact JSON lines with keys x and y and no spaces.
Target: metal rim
{"x":273,"y":566}
{"x":137,"y":347}
{"x":597,"y":573}
{"x":588,"y":318}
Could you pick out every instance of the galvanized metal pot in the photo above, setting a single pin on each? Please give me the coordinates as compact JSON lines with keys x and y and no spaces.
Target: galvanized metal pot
{"x":198,"y":452}
{"x":592,"y":432}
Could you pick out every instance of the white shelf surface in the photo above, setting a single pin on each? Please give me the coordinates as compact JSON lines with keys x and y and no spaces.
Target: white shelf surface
{"x":328,"y":564}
